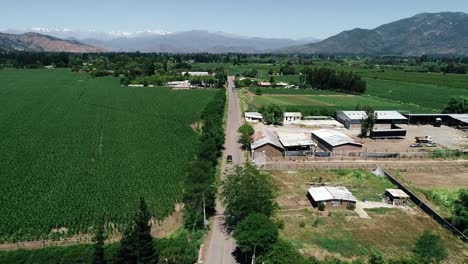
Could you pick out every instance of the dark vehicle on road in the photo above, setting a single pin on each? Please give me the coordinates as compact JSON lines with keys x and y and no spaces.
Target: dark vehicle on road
{"x":229,"y":158}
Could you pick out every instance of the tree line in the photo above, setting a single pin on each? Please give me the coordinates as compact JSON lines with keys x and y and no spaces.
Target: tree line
{"x":330,"y":79}
{"x":200,"y":181}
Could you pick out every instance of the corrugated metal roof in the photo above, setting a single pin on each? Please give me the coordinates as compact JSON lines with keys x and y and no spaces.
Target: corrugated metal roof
{"x":397,"y":193}
{"x":295,"y":139}
{"x":381,"y":115}
{"x":460,"y":117}
{"x":327,"y":193}
{"x":292,"y":114}
{"x":320,"y":194}
{"x":334,"y":138}
{"x":253,"y":115}
{"x":269,"y":138}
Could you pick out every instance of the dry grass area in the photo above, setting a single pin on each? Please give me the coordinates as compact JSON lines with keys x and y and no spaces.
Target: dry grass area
{"x":340,"y":232}
{"x":451,"y":177}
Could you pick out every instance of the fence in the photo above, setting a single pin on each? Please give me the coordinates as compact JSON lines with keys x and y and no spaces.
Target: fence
{"x":427,"y":209}
{"x":378,"y":155}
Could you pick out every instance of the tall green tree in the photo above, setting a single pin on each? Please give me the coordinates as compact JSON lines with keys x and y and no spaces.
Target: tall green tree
{"x":256,"y":233}
{"x":368,"y":122}
{"x":99,"y":237}
{"x":137,"y":243}
{"x":272,"y":114}
{"x":460,"y":212}
{"x":246,"y":131}
{"x":246,"y":191}
{"x":457,"y":105}
{"x":429,"y":248}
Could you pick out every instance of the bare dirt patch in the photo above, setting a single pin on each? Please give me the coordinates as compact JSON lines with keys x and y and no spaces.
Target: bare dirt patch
{"x":435,"y":176}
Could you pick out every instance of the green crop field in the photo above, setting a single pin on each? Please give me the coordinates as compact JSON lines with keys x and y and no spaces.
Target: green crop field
{"x":324,"y":103}
{"x":288,"y":91}
{"x":74,"y":149}
{"x":424,"y":95}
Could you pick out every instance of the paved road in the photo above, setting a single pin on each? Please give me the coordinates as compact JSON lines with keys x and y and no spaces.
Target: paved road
{"x":220,"y":245}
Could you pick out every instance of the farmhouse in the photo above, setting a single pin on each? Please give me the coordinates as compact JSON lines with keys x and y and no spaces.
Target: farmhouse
{"x":353,"y":119}
{"x":338,"y":197}
{"x":269,"y":145}
{"x":296,"y":144}
{"x":199,"y":74}
{"x":290,"y":117}
{"x":253,"y":117}
{"x":396,"y":196}
{"x":332,"y":140}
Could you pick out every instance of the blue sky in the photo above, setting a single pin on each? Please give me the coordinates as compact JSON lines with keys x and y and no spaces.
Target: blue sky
{"x":266,"y":18}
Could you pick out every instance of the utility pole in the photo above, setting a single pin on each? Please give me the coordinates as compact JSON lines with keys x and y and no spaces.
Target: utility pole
{"x":205,"y":221}
{"x":253,"y":257}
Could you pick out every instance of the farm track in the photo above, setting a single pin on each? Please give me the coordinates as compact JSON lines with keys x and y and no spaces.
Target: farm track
{"x":219,"y":245}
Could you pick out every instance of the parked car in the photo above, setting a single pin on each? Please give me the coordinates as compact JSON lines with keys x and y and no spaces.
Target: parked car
{"x":416,"y":145}
{"x":229,"y":158}
{"x":431,"y":144}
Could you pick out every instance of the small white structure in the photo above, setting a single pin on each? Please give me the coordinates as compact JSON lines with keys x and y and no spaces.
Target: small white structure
{"x":290,"y":117}
{"x":264,"y":84}
{"x":179,"y":84}
{"x":253,"y":117}
{"x":135,"y":85}
{"x":200,"y":74}
{"x":396,"y":196}
{"x":282,"y":84}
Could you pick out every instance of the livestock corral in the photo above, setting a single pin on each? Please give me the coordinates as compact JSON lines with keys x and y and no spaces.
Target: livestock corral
{"x":75,"y":149}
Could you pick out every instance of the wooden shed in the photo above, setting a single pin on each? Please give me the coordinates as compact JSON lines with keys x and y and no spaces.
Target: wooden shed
{"x":396,"y":197}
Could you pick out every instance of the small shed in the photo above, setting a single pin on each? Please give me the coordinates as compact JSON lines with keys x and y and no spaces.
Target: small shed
{"x":396,"y":196}
{"x":253,"y":117}
{"x":290,"y":117}
{"x":335,"y":197}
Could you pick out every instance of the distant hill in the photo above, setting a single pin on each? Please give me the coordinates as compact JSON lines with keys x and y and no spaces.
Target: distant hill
{"x":424,"y":34}
{"x":38,"y":42}
{"x":171,"y":42}
{"x":194,"y":41}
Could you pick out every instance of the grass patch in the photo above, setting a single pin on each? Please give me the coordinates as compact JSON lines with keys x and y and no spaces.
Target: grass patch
{"x":320,"y":102}
{"x":380,"y":211}
{"x":442,"y":198}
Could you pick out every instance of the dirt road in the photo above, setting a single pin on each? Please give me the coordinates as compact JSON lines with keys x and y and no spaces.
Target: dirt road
{"x":220,"y":245}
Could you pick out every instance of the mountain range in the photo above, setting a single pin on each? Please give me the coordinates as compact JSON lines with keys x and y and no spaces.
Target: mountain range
{"x":177,"y":42}
{"x":443,"y":33}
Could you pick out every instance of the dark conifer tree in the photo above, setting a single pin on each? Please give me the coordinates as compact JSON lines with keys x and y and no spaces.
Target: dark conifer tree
{"x":99,"y":237}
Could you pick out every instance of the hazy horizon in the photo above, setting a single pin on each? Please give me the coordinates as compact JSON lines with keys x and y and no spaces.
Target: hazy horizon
{"x":297,"y":19}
